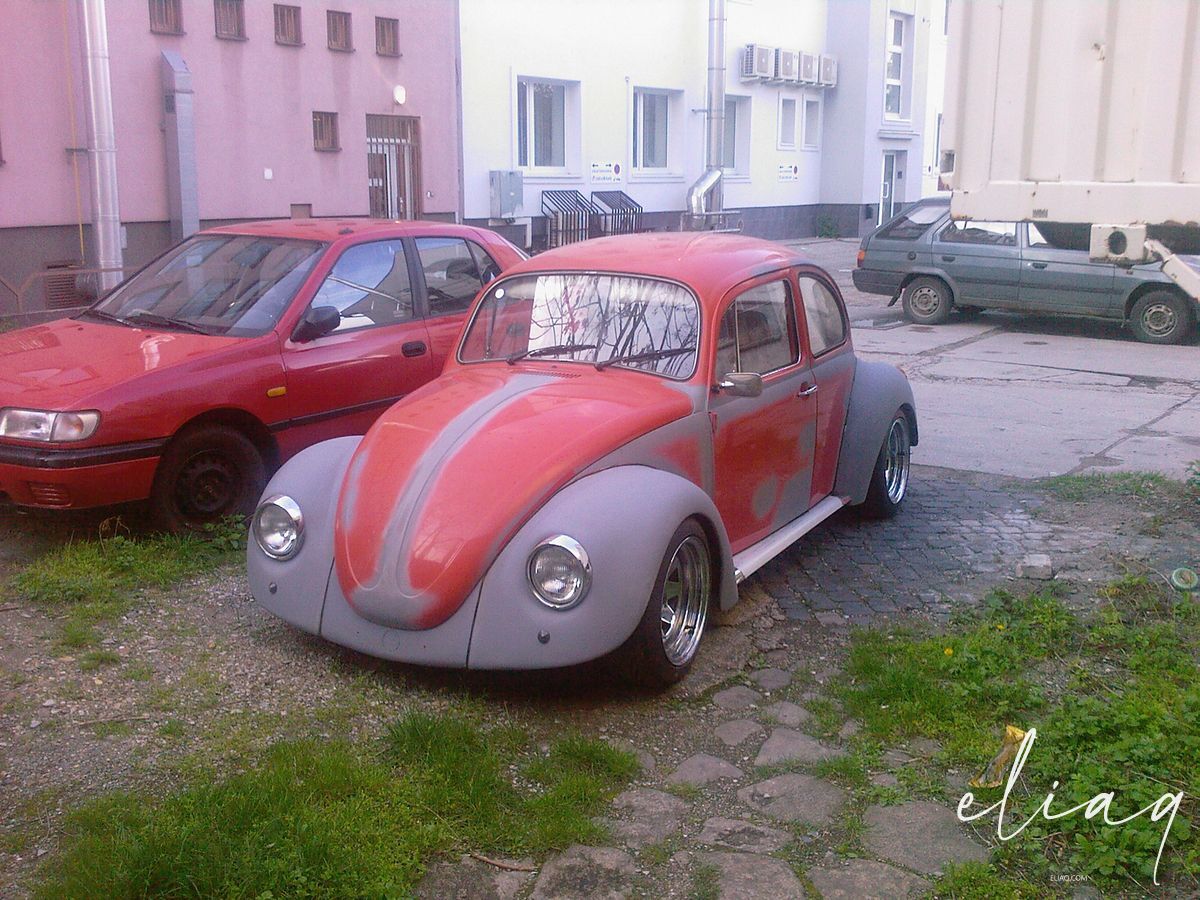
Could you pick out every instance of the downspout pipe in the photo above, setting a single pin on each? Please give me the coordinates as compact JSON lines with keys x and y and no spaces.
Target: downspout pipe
{"x":708,"y":186}
{"x":102,"y":144}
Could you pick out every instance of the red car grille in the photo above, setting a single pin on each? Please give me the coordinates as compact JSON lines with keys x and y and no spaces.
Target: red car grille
{"x":49,"y":494}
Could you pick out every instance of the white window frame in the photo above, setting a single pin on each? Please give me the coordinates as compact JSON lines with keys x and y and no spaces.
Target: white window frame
{"x":810,"y":141}
{"x":570,"y":167}
{"x":901,"y":51}
{"x":639,"y":133}
{"x":742,"y":147}
{"x":676,"y":122}
{"x":782,"y":141}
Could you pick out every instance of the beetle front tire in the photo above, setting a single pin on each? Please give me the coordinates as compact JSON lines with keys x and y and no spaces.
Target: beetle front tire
{"x":1162,"y":317}
{"x":889,"y":479}
{"x":208,"y":472}
{"x":927,"y":301}
{"x":664,"y":644}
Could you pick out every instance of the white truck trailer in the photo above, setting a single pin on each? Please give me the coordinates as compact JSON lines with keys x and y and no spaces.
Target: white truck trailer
{"x":1079,"y":111}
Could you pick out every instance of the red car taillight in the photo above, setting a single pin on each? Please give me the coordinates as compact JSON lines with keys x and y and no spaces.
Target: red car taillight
{"x":862,"y":254}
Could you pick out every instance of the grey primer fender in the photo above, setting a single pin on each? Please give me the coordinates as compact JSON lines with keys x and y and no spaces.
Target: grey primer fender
{"x":879,"y":390}
{"x":313,"y":478}
{"x":623,"y":517}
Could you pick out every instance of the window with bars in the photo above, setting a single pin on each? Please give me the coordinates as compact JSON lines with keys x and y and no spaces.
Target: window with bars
{"x":340,"y":36}
{"x":230,"y":19}
{"x":287,"y":25}
{"x":387,"y":36}
{"x":166,"y":16}
{"x":325,"y":131}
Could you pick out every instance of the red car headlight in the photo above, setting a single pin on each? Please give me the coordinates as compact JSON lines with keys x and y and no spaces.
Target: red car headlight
{"x":43,"y":425}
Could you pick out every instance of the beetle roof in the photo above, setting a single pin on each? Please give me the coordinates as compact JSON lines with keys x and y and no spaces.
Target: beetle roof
{"x":336,"y":229}
{"x":708,"y":262}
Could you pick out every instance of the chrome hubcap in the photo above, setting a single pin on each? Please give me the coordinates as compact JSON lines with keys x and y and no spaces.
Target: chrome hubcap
{"x":898,"y":452}
{"x":1158,"y":319}
{"x":685,"y":600}
{"x":925,"y":301}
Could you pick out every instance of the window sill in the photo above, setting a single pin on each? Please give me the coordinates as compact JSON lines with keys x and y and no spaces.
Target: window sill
{"x":736,"y":178}
{"x":232,"y":37}
{"x":536,"y":176}
{"x":328,"y":149}
{"x":342,"y":49}
{"x":898,"y":131}
{"x":289,"y":43}
{"x":396,"y":55}
{"x":162,"y":33}
{"x":786,"y":148}
{"x":649,"y":176}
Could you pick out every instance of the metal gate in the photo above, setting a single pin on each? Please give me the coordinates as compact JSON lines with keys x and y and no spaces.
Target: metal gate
{"x":393,"y":164}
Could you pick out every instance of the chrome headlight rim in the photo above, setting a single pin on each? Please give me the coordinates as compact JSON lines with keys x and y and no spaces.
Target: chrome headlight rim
{"x":50,"y":426}
{"x":292,"y":509}
{"x":580,"y":555}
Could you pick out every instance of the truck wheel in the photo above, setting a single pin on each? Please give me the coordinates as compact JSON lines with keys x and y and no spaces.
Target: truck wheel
{"x":207,"y":473}
{"x":1162,"y":317}
{"x":661,"y":649}
{"x":889,"y":480}
{"x":927,"y":301}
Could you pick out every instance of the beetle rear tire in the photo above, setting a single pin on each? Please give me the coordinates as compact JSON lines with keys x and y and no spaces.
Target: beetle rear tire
{"x":889,"y":479}
{"x":663,"y":645}
{"x":208,"y":472}
{"x":927,"y":301}
{"x":1162,"y":317}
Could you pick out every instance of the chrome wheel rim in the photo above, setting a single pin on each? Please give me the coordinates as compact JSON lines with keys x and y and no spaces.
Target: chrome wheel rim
{"x":1158,"y":319}
{"x":925,"y":301}
{"x":685,"y":600}
{"x":896,"y":462}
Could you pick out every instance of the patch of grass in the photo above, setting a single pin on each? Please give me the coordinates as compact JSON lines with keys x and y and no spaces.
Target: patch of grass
{"x":827,"y":718}
{"x":706,"y":882}
{"x":138,"y":671}
{"x":851,"y":770}
{"x":112,"y":729}
{"x":172,"y":728}
{"x":328,"y":819}
{"x":1098,"y":485}
{"x":685,"y":791}
{"x":980,"y":881}
{"x":95,"y":659}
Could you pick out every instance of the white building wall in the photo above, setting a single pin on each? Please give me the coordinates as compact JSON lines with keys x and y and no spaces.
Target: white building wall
{"x":935,"y":91}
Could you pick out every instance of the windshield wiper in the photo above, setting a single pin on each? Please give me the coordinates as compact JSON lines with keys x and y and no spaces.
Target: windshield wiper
{"x":544,"y":351}
{"x":644,"y":357}
{"x":107,"y":316}
{"x":141,"y":315}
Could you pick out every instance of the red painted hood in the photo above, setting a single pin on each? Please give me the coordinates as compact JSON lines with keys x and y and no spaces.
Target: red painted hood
{"x":63,"y":364}
{"x":449,"y":474}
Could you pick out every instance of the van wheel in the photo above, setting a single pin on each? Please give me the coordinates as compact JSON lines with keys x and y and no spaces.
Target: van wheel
{"x":207,"y":473}
{"x":1162,"y":317}
{"x":927,"y":301}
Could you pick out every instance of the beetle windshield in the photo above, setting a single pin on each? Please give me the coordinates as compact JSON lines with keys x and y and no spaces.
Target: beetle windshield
{"x":228,"y":284}
{"x":601,"y":320}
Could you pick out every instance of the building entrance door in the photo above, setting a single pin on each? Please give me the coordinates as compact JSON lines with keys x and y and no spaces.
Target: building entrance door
{"x":393,"y":166}
{"x":893,"y":180}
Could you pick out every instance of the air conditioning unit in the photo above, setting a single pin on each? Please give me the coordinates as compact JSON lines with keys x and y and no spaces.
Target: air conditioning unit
{"x":810,"y":68}
{"x":758,"y":63}
{"x":787,"y":66}
{"x":828,"y":71}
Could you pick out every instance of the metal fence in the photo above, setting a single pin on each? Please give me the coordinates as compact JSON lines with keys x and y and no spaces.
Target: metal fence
{"x":569,"y":217}
{"x":618,"y":212}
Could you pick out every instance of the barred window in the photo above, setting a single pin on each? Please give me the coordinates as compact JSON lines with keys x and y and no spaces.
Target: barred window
{"x":230,"y":19}
{"x":387,"y":37}
{"x":340,"y":37}
{"x":325,"y":131}
{"x":166,"y":16}
{"x":287,"y":25}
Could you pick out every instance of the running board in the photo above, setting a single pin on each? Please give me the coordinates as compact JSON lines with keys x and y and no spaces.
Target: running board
{"x":758,"y":555}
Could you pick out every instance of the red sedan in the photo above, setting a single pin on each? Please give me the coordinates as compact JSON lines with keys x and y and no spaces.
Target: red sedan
{"x":227,"y":355}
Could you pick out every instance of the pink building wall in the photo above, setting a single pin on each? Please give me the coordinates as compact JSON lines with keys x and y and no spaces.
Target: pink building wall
{"x":253,"y":105}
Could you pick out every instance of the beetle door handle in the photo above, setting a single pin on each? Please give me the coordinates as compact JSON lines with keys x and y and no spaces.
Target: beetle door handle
{"x":807,"y":390}
{"x":947,"y":259}
{"x":413,"y":348}
{"x":1039,"y":265}
{"x":912,"y":254}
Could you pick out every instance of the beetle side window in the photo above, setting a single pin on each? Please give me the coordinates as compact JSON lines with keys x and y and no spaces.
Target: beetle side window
{"x":823,"y":316}
{"x":451,"y":274}
{"x":1000,"y":234}
{"x":758,"y":331}
{"x":369,"y":286}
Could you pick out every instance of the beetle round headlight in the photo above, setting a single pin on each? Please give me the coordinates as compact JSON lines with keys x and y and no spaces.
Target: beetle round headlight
{"x":559,"y":572}
{"x":279,"y":527}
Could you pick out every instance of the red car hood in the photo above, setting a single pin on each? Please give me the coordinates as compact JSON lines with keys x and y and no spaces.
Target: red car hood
{"x":61,"y":364}
{"x":448,"y":475}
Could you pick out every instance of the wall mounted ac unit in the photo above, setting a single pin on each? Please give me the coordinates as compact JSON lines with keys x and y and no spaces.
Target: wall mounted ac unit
{"x":787,"y":66}
{"x":758,"y":63}
{"x":810,"y":68}
{"x":828,"y":71}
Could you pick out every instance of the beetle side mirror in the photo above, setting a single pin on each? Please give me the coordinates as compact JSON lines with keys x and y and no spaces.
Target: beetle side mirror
{"x":742,"y":384}
{"x":318,"y":321}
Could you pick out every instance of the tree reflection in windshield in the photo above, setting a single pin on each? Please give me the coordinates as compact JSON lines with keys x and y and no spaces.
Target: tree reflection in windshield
{"x":637,"y":323}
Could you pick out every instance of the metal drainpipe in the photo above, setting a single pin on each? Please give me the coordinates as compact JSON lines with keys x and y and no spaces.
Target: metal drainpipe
{"x":709,"y":184}
{"x":102,"y":143}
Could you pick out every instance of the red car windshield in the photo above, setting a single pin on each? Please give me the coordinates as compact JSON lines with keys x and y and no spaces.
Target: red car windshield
{"x":602,"y":320}
{"x":227,"y":284}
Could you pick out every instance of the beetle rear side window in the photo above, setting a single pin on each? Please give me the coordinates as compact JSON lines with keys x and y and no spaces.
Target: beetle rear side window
{"x":758,"y":331}
{"x":369,"y":286}
{"x":823,"y":316}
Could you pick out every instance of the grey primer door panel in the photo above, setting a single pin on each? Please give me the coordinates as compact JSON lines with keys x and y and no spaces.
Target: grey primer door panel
{"x":982,"y":258}
{"x":1065,"y":281}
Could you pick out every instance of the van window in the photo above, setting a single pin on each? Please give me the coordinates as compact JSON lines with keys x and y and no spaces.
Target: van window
{"x":912,"y":223}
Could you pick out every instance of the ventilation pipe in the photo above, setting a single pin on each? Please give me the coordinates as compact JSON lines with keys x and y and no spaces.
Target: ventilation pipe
{"x":102,"y":144}
{"x":708,"y":186}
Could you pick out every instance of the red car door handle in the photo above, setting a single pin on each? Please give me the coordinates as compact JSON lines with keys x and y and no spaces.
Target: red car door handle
{"x":807,"y":390}
{"x":413,"y":348}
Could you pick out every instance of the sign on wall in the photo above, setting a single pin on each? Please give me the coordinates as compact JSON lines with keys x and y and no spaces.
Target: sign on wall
{"x":789,"y":172}
{"x":606,"y":172}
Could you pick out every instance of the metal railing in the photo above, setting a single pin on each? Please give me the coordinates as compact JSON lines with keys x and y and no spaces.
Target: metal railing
{"x":618,"y":212}
{"x":569,"y":217}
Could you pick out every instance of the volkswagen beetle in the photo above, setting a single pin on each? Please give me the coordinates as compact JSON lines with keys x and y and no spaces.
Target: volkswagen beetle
{"x":628,"y":428}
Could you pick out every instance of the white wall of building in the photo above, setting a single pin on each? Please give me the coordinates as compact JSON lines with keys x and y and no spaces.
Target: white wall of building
{"x":935,"y":91}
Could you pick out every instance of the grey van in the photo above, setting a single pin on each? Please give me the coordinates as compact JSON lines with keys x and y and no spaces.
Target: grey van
{"x":938,"y":265}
